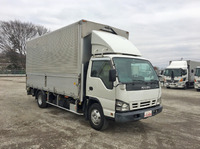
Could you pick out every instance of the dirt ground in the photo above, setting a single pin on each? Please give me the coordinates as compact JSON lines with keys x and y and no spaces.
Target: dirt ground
{"x":24,"y":125}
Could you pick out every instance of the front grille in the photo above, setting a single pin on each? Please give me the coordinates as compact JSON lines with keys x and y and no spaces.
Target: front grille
{"x":172,"y":81}
{"x":134,"y":105}
{"x":153,"y":102}
{"x":143,"y":104}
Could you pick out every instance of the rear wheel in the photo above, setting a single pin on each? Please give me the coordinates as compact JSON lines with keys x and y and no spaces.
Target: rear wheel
{"x":41,"y":100}
{"x":96,"y":117}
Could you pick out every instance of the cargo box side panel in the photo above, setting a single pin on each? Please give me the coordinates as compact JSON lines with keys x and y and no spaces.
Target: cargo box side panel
{"x":52,"y":58}
{"x":35,"y":81}
{"x":68,"y":86}
{"x":55,"y":53}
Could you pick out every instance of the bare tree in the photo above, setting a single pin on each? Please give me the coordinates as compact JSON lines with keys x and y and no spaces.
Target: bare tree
{"x":13,"y":37}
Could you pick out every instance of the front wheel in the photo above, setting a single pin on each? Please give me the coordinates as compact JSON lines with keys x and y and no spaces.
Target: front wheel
{"x":186,"y":86}
{"x":96,"y":117}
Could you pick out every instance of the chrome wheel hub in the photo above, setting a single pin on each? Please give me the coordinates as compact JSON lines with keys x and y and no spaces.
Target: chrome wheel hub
{"x":95,"y":117}
{"x":39,"y":99}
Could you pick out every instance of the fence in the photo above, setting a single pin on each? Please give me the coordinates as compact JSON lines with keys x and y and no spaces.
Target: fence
{"x":15,"y":71}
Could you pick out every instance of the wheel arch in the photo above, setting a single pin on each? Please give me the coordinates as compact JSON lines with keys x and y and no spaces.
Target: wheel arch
{"x":37,"y":92}
{"x":90,"y":101}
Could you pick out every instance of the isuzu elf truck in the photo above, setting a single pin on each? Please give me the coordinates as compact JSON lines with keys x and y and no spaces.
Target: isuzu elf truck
{"x":93,"y":70}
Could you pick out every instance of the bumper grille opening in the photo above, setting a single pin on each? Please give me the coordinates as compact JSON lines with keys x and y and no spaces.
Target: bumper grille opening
{"x":134,"y":105}
{"x":153,"y":102}
{"x":136,"y":116}
{"x":144,"y":104}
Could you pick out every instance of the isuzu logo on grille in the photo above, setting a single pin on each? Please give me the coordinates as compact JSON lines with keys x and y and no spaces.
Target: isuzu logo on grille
{"x":145,"y":87}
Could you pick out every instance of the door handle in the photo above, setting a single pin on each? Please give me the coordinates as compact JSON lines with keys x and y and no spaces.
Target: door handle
{"x":90,"y":88}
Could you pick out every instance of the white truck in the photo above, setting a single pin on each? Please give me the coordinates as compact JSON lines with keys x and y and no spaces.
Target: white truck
{"x":180,"y":74}
{"x":197,"y":78}
{"x":93,"y":70}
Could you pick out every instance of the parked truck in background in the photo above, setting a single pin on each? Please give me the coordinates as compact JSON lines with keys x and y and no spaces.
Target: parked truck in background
{"x":93,"y":70}
{"x":180,"y":74}
{"x":197,"y":78}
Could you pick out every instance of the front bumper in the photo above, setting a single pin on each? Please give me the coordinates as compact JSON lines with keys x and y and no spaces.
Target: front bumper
{"x":175,"y":85}
{"x":136,"y":115}
{"x":197,"y":86}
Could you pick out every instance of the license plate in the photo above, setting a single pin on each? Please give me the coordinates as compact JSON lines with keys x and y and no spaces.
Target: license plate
{"x":148,"y":113}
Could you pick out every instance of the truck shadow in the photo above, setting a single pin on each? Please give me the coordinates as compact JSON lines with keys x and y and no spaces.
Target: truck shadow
{"x":179,"y":89}
{"x":134,"y":127}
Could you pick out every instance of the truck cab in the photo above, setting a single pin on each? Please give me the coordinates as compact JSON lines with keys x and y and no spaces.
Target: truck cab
{"x":180,"y":74}
{"x":197,"y":79}
{"x":176,"y":75}
{"x":126,"y":87}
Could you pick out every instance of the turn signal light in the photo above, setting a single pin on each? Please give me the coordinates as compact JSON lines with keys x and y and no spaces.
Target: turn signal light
{"x":181,"y":80}
{"x":195,"y":80}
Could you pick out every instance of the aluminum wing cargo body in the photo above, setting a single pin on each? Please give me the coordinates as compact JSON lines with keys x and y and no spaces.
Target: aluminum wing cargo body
{"x":191,"y":69}
{"x":188,"y":64}
{"x":57,"y":62}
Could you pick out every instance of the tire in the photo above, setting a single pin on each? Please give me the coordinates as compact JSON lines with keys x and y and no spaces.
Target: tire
{"x":96,"y":117}
{"x":186,"y":86}
{"x":41,"y":99}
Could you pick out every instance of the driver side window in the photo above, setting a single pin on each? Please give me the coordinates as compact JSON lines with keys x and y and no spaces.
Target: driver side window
{"x":100,"y":69}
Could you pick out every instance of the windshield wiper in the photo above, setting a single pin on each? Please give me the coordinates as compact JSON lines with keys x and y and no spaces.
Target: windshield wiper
{"x":138,"y":81}
{"x":142,"y":81}
{"x":132,"y":83}
{"x":154,"y":81}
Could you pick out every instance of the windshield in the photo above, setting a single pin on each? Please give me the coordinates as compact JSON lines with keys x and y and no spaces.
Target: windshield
{"x":130,"y":70}
{"x":176,"y":72}
{"x":197,"y":72}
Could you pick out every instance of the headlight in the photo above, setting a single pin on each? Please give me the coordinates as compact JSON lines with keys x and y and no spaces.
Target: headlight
{"x":182,"y":79}
{"x":122,"y":106}
{"x":159,"y":101}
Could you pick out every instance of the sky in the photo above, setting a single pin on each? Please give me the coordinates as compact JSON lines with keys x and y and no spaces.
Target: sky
{"x":162,"y":30}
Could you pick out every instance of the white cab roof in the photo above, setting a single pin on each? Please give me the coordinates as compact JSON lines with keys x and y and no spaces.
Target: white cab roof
{"x":178,"y":64}
{"x":103,"y":42}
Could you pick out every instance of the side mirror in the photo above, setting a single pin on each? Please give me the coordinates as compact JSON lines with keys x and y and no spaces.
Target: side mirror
{"x":184,"y":72}
{"x":112,"y":75}
{"x":162,"y":72}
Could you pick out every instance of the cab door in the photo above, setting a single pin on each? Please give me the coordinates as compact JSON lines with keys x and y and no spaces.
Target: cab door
{"x":98,"y":84}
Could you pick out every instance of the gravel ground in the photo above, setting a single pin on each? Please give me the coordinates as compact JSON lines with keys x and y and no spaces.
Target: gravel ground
{"x":24,"y":125}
